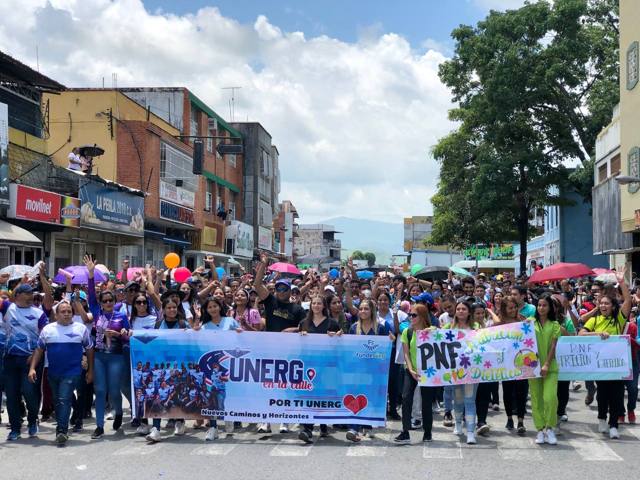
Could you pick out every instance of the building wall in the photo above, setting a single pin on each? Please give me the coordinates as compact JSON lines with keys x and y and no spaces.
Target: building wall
{"x":576,"y":234}
{"x":629,"y":108}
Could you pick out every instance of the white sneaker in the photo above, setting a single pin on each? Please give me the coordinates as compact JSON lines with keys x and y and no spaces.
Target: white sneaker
{"x":154,"y":435}
{"x":540,"y":437}
{"x":613,"y":433}
{"x":284,"y":428}
{"x":457,"y":430}
{"x":109,"y":416}
{"x":143,"y":429}
{"x":179,"y":428}
{"x":211,"y":435}
{"x":471,"y":438}
{"x":564,"y":418}
{"x":551,"y":437}
{"x":228,"y":427}
{"x":603,"y":426}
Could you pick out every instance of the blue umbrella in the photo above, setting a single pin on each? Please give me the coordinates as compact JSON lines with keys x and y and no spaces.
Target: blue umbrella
{"x":365,"y":274}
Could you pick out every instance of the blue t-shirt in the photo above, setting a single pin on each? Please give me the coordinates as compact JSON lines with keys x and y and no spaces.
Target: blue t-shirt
{"x":64,"y":345}
{"x":226,"y":323}
{"x":22,"y":328}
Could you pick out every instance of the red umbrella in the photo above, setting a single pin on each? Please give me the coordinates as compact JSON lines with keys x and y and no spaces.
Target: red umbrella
{"x":560,"y":271}
{"x":285,"y":268}
{"x":602,"y":271}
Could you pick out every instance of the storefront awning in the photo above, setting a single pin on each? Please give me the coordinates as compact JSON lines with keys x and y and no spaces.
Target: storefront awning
{"x":10,"y":233}
{"x":176,"y":241}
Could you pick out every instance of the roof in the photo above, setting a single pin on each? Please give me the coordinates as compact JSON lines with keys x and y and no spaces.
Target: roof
{"x":13,"y":234}
{"x":14,"y":69}
{"x":206,"y":109}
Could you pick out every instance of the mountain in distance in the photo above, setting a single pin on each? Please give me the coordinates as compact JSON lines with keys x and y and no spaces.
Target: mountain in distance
{"x":384,"y":239}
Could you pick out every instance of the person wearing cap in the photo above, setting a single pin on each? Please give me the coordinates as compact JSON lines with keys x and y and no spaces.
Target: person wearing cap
{"x":281,"y":315}
{"x":22,"y":325}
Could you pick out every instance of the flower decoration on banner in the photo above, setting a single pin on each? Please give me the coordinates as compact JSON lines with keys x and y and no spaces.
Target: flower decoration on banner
{"x":487,"y":364}
{"x":528,"y":342}
{"x":460,"y":334}
{"x":526,"y":327}
{"x":483,"y":349}
{"x":477,"y":359}
{"x":437,"y":381}
{"x":431,"y":371}
{"x":516,"y":345}
{"x":465,"y":361}
{"x":450,"y":336}
{"x":423,"y":335}
{"x":458,"y":374}
{"x":438,"y":336}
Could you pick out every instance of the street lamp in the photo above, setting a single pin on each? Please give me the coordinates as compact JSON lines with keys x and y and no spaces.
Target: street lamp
{"x":626,"y":180}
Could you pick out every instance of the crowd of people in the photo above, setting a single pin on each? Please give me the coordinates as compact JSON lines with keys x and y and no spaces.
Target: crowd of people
{"x":65,"y":348}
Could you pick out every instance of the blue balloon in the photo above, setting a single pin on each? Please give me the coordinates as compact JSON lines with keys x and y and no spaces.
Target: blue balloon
{"x":221,"y":272}
{"x":333,"y":273}
{"x":365,"y":274}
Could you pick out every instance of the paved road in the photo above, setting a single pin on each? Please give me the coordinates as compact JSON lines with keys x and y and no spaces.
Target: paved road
{"x":581,"y":453}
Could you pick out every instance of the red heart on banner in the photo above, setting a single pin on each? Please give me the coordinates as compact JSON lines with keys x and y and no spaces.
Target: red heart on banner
{"x":460,"y":334}
{"x":355,"y":404}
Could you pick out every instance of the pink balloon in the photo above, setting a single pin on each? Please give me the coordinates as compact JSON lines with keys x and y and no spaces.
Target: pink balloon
{"x":181,"y":274}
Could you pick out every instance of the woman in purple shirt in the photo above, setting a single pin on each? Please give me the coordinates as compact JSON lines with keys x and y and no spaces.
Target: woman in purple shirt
{"x":112,"y":330}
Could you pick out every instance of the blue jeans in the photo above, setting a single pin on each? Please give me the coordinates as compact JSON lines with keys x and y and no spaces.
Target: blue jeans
{"x":107,"y":378}
{"x":448,"y":399}
{"x":17,"y":385}
{"x":62,"y":393}
{"x":464,"y":401}
{"x":632,"y":387}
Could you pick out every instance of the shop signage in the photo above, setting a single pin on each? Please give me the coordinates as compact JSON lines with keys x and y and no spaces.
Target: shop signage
{"x":4,"y":154}
{"x":176,"y":213}
{"x":242,"y":236}
{"x":41,"y":206}
{"x":265,"y":238}
{"x":177,"y":194}
{"x":106,"y":208}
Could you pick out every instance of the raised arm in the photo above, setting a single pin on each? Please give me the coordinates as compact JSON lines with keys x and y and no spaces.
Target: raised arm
{"x":258,"y":282}
{"x":47,"y":302}
{"x":626,"y":296}
{"x":91,"y":287}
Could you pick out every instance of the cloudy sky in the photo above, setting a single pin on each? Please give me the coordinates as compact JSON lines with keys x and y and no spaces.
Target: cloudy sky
{"x":349,"y":93}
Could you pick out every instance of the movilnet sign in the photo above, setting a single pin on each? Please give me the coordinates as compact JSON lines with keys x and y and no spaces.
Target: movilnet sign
{"x":592,"y":358}
{"x":107,"y":208}
{"x":260,"y":377}
{"x":177,"y":195}
{"x":455,"y":357}
{"x":176,"y":213}
{"x":42,"y":206}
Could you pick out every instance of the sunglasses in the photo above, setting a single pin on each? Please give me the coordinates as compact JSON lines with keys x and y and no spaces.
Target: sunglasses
{"x":282,"y":289}
{"x":120,"y":290}
{"x":107,"y":300}
{"x":141,"y":302}
{"x":414,"y":315}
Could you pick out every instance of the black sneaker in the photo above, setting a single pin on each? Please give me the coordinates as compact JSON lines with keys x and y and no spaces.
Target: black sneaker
{"x":97,"y":433}
{"x":77,"y":427}
{"x":117,"y":422}
{"x":324,"y":431}
{"x":305,"y":436}
{"x":448,"y":419}
{"x":61,"y":438}
{"x":403,"y":438}
{"x":588,"y":400}
{"x":135,"y":423}
{"x":509,"y":424}
{"x":393,"y":415}
{"x":521,"y":429}
{"x":416,"y":424}
{"x":426,"y":437}
{"x":482,"y":429}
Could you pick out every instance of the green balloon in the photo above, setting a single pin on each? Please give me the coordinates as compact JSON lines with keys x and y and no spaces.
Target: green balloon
{"x":415,"y":268}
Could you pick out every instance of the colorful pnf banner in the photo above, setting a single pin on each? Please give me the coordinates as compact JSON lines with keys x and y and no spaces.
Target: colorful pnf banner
{"x":592,"y":358}
{"x":455,"y":357}
{"x":260,"y":376}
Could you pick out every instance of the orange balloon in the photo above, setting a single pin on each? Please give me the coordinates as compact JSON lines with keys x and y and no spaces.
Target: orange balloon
{"x":171,"y":260}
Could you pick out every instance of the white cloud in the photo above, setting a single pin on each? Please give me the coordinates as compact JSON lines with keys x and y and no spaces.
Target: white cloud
{"x":354,"y":122}
{"x":499,"y":4}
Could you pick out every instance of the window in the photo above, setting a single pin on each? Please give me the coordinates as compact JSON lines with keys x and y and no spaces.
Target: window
{"x":232,"y":159}
{"x":208,"y":205}
{"x":210,"y":143}
{"x":176,"y":165}
{"x":232,"y":205}
{"x":193,"y":124}
{"x":218,"y":197}
{"x":602,"y":173}
{"x":615,"y":165}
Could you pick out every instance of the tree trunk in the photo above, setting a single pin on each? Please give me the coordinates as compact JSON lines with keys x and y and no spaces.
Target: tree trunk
{"x":523,"y":236}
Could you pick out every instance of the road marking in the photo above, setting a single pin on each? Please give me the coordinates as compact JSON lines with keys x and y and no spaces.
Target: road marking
{"x":594,"y":450}
{"x":377,"y":447}
{"x":138,"y":450}
{"x":633,"y":431}
{"x":521,"y":449}
{"x":290,"y":448}
{"x":219,"y":449}
{"x":444,"y":450}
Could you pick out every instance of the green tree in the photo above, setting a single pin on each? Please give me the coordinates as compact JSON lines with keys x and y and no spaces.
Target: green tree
{"x":357,"y":255}
{"x":370,"y":257}
{"x":529,"y":95}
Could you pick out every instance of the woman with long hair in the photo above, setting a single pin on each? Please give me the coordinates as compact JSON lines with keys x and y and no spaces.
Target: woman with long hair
{"x":609,"y":319}
{"x":367,"y":324}
{"x":112,"y":330}
{"x":420,"y":320}
{"x":336,"y":311}
{"x":243,"y":313}
{"x":514,"y":392}
{"x":317,"y":321}
{"x":544,"y":390}
{"x":464,"y":396}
